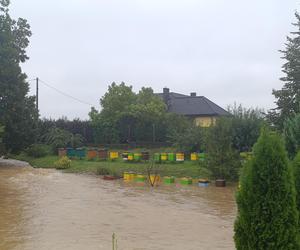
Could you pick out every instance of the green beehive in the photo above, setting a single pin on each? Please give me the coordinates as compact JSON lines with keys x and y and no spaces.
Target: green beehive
{"x":157,"y":157}
{"x":137,"y":156}
{"x":71,"y":153}
{"x":201,"y":156}
{"x":80,"y":153}
{"x":130,"y":157}
{"x":186,"y":181}
{"x":169,"y":180}
{"x":140,"y":178}
{"x":171,"y":157}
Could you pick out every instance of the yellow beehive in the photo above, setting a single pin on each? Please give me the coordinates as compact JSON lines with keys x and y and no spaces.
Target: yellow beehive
{"x":131,"y":176}
{"x":194,"y":157}
{"x":154,"y":179}
{"x":179,"y":156}
{"x":113,"y":155}
{"x":126,"y":176}
{"x":163,"y":156}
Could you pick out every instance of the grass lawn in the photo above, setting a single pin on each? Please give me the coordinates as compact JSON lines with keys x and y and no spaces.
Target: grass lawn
{"x":185,"y":169}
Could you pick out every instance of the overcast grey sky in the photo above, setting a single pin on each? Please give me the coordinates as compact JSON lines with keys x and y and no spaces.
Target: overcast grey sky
{"x":226,"y":50}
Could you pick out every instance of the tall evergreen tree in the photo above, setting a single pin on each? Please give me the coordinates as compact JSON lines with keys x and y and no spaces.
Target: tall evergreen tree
{"x":292,"y":134}
{"x":296,"y":169}
{"x":267,"y":214}
{"x":17,"y":110}
{"x":288,"y":98}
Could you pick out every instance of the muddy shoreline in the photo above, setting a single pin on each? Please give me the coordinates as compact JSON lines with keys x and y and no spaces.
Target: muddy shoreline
{"x":13,"y":163}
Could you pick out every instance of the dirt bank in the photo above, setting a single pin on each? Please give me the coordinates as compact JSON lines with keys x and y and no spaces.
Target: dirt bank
{"x":13,"y":163}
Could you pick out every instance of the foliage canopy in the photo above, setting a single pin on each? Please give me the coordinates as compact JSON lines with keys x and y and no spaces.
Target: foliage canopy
{"x":17,"y":110}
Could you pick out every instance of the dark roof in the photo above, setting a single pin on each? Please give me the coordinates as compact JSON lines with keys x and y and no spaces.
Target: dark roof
{"x":172,"y":95}
{"x":193,"y":105}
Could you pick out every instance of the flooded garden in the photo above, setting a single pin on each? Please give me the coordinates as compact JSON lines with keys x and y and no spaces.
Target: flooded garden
{"x":48,"y":209}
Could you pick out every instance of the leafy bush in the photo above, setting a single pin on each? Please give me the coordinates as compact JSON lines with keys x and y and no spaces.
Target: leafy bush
{"x":102,"y":171}
{"x":267,"y":214}
{"x":37,"y":150}
{"x":63,"y":163}
{"x":191,"y":139}
{"x":222,"y":160}
{"x":60,"y":138}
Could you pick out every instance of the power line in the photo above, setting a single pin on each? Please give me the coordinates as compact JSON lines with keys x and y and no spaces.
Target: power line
{"x":65,"y":94}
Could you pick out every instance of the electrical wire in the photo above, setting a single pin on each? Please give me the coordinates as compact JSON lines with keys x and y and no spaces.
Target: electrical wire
{"x":65,"y":94}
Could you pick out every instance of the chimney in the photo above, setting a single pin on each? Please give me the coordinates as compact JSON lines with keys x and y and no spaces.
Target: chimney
{"x":166,"y":96}
{"x":193,"y":94}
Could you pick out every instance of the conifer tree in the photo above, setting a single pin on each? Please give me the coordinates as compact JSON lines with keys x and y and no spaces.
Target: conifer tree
{"x":288,"y":98}
{"x":296,"y":169}
{"x":267,"y":215}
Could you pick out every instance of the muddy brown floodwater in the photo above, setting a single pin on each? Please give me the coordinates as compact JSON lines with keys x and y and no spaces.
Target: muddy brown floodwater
{"x":46,"y":209}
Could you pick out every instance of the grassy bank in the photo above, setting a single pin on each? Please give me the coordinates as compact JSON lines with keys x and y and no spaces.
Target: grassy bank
{"x":188,"y":168}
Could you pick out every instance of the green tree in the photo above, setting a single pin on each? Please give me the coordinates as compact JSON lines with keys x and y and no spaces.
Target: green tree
{"x":17,"y":110}
{"x":296,"y":169}
{"x":291,"y":133}
{"x":148,"y":112}
{"x":191,"y":139}
{"x":127,"y":116}
{"x":288,"y":98}
{"x":267,"y":214}
{"x":111,"y":124}
{"x":222,"y":160}
{"x":60,"y":138}
{"x":246,"y":125}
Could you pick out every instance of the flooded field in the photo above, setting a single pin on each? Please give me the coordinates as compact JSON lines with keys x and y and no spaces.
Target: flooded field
{"x":46,"y":209}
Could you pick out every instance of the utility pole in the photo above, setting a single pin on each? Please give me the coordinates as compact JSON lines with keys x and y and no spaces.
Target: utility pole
{"x":37,"y":94}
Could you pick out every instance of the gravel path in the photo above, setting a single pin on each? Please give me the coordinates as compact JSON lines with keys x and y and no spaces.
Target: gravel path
{"x":13,"y":163}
